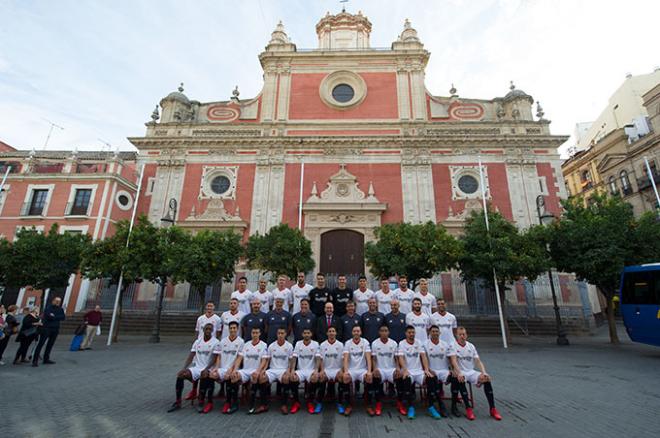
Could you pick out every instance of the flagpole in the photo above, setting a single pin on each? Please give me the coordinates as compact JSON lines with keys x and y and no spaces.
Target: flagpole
{"x":121,"y":275}
{"x":497,"y":287}
{"x":300,"y":201}
{"x":652,"y":179}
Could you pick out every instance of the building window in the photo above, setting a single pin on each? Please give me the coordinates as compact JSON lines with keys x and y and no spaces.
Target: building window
{"x":37,"y":202}
{"x":585,"y":179}
{"x":568,"y":187}
{"x":343,"y":93}
{"x":625,"y":182}
{"x":124,"y":200}
{"x":80,"y":203}
{"x":220,"y":185}
{"x":613,"y":188}
{"x":468,"y":184}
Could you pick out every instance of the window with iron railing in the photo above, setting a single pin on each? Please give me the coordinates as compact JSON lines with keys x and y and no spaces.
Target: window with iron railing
{"x":625,"y":182}
{"x":37,"y":203}
{"x":80,"y":203}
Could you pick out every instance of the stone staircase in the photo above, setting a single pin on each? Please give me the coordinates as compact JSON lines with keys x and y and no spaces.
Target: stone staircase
{"x":181,"y":324}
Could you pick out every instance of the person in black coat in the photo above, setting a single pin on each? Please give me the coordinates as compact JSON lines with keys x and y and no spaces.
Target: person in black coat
{"x":48,"y":332}
{"x":27,"y":335}
{"x":11,"y":327}
{"x":329,"y":319}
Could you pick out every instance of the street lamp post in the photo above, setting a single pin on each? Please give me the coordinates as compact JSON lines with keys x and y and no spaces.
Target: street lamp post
{"x":167,"y":220}
{"x":546,"y":218}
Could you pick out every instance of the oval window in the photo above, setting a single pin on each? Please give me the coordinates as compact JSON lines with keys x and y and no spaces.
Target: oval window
{"x":468,"y":184}
{"x":220,"y":184}
{"x":343,"y":93}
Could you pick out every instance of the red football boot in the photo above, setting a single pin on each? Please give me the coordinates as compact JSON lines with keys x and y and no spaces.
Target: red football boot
{"x":295,"y":407}
{"x":348,"y":410}
{"x":402,"y":409}
{"x":284,"y":410}
{"x":225,"y":408}
{"x":208,"y":407}
{"x":379,"y":409}
{"x":371,"y":411}
{"x":469,"y":414}
{"x":496,"y":415}
{"x":310,"y":407}
{"x":192,"y":395}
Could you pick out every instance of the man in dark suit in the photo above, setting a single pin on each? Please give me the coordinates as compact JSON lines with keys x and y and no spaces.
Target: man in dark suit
{"x":51,"y":319}
{"x":329,"y":319}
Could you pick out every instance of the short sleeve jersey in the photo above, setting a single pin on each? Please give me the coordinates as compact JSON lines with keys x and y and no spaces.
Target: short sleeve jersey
{"x":203,"y":320}
{"x":411,"y":353}
{"x":446,"y":323}
{"x":371,"y":323}
{"x":397,"y":325}
{"x":252,"y":354}
{"x":357,"y":353}
{"x":280,"y":355}
{"x":438,"y":354}
{"x":466,"y":356}
{"x":347,"y":323}
{"x":204,"y":351}
{"x":266,"y":299}
{"x":421,"y":323}
{"x":384,"y":300}
{"x":228,"y":317}
{"x":331,"y":354}
{"x":229,"y":349}
{"x":298,"y":293}
{"x":405,"y":300}
{"x":285,"y":294}
{"x":428,"y":302}
{"x":243,"y":300}
{"x":384,"y":353}
{"x":361,"y":300}
{"x":306,"y":354}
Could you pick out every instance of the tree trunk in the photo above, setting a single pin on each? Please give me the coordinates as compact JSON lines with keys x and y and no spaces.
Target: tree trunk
{"x":505,"y":313}
{"x":611,"y":322}
{"x":120,"y":308}
{"x":202,"y":295}
{"x":155,"y":334}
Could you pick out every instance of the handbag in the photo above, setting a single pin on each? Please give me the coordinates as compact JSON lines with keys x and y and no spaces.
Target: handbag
{"x":29,"y":332}
{"x":98,"y":330}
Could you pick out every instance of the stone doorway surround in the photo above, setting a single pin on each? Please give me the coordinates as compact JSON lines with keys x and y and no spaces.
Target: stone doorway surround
{"x":341,"y":205}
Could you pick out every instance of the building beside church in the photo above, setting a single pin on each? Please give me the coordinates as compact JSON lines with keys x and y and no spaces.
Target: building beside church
{"x":342,"y":138}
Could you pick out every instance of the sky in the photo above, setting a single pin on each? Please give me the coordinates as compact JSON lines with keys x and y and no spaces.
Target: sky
{"x":98,"y":68}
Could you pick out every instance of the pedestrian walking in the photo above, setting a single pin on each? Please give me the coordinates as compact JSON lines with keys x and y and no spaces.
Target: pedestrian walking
{"x":92,"y":321}
{"x":27,"y":334}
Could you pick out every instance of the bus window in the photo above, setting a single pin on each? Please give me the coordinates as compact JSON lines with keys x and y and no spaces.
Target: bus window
{"x":640,"y":288}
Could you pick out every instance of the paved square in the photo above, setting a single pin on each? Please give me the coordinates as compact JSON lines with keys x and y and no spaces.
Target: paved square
{"x":590,"y":389}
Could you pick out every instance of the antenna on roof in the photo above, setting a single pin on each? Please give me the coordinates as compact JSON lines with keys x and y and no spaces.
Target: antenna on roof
{"x":105,"y":143}
{"x":343,"y":5}
{"x":50,"y":131}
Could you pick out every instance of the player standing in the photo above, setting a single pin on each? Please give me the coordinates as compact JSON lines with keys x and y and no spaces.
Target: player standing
{"x":331,"y":355}
{"x":445,"y":321}
{"x":383,"y":353}
{"x":440,"y":355}
{"x":404,"y":295}
{"x":225,"y":366}
{"x":371,"y":321}
{"x":412,"y":366}
{"x":349,"y":320}
{"x":229,"y":316}
{"x":361,"y":296}
{"x":299,"y":291}
{"x":384,"y":296}
{"x":255,"y":319}
{"x":209,"y":317}
{"x":419,"y":320}
{"x":276,"y":319}
{"x":428,"y":300}
{"x":341,"y":295}
{"x":242,"y":295}
{"x":281,"y":291}
{"x":254,"y":358}
{"x":305,"y":354}
{"x":356,"y":368}
{"x":264,"y":295}
{"x":279,"y":354}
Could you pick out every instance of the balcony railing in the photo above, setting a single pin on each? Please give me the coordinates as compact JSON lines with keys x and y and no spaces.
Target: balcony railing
{"x":644,"y":182}
{"x":76,"y":210}
{"x":30,"y":209}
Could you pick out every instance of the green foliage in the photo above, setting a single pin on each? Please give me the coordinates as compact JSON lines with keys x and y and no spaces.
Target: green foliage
{"x":513,"y":254}
{"x":282,"y":250}
{"x":417,"y":250}
{"x":105,"y":258}
{"x":646,"y":240}
{"x":6,"y":266}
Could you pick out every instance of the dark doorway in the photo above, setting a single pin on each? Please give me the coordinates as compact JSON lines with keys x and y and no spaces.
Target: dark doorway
{"x":342,"y":252}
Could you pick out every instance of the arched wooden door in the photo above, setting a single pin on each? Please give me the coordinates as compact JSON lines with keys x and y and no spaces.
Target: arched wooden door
{"x":342,"y":252}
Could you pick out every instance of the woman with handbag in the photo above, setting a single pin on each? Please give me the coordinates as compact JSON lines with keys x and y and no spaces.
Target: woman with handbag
{"x":27,"y":334}
{"x":10,"y":327}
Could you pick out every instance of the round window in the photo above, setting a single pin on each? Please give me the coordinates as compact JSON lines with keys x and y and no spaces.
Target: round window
{"x":468,"y":184}
{"x":220,"y":184}
{"x":343,"y":93}
{"x":123,"y":200}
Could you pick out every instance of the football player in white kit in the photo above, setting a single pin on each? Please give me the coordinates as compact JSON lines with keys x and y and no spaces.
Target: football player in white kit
{"x":445,"y":321}
{"x":254,"y":359}
{"x":404,"y":295}
{"x":225,"y":366}
{"x":383,"y":354}
{"x":428,"y":300}
{"x":306,"y":355}
{"x":467,"y":357}
{"x":440,"y":355}
{"x":384,"y":296}
{"x":281,"y":291}
{"x":356,"y":368}
{"x":204,"y":352}
{"x":413,"y":365}
{"x":361,"y":296}
{"x":280,"y":353}
{"x":264,"y":295}
{"x":419,"y":320}
{"x":299,"y":291}
{"x":331,"y":355}
{"x":229,"y":316}
{"x":243,"y":295}
{"x":209,"y":317}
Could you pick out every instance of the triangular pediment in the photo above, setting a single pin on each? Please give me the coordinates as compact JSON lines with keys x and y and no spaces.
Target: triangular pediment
{"x":610,"y":160}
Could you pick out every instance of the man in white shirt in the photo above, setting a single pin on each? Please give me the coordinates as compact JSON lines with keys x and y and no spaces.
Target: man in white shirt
{"x":209,"y":317}
{"x":305,"y":354}
{"x":384,"y":296}
{"x":467,"y":356}
{"x":356,"y":368}
{"x":383,"y":354}
{"x":225,"y":366}
{"x":280,"y":353}
{"x":361,"y":296}
{"x":242,"y":295}
{"x":428,"y":300}
{"x":419,"y":320}
{"x":331,"y":355}
{"x":404,"y":295}
{"x":281,"y":291}
{"x":265,"y":296}
{"x":413,"y":365}
{"x":229,"y":316}
{"x":445,"y":321}
{"x":254,"y":358}
{"x":204,"y":352}
{"x":299,"y":291}
{"x":440,"y":356}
